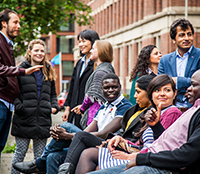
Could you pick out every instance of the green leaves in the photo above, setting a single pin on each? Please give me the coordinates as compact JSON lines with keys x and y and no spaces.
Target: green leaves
{"x":44,"y":16}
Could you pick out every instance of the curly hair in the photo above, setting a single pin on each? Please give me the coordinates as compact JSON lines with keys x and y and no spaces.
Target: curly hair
{"x":143,"y":62}
{"x":47,"y":69}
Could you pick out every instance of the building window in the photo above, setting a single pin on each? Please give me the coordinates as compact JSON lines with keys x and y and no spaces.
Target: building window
{"x":65,"y":44}
{"x":69,"y":27}
{"x":67,"y":68}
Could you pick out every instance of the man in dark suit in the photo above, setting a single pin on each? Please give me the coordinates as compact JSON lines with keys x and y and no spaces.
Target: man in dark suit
{"x":182,"y":63}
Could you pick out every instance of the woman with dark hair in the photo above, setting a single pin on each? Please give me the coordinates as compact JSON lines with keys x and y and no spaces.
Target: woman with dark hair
{"x":147,"y":63}
{"x":161,"y":92}
{"x":102,"y":54}
{"x":83,"y":69}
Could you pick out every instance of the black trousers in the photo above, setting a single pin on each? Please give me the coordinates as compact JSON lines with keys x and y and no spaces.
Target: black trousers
{"x":80,"y":142}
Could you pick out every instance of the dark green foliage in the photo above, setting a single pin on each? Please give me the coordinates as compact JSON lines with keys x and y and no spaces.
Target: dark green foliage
{"x":43,"y":16}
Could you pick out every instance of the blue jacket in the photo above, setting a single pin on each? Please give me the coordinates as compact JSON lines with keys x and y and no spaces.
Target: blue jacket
{"x":167,"y":65}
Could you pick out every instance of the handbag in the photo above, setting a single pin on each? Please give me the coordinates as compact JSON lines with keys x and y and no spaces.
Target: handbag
{"x":122,"y":146}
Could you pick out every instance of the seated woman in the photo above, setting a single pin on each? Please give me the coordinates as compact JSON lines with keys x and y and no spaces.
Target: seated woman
{"x":161,"y":93}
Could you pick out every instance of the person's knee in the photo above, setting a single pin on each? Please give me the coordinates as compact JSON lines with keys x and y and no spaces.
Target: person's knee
{"x":85,"y":153}
{"x":56,"y":157}
{"x":51,"y":157}
{"x":66,"y":124}
{"x":81,"y":134}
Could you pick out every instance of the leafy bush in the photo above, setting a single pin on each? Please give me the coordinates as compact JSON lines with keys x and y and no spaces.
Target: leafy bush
{"x":9,"y":149}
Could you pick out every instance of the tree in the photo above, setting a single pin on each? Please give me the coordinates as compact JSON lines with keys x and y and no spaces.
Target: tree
{"x":43,"y":16}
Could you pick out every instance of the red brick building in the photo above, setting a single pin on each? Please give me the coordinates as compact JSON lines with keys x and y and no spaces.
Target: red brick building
{"x":131,"y":24}
{"x":62,"y":42}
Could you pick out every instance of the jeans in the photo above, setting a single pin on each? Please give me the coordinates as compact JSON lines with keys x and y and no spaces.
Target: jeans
{"x":5,"y":120}
{"x":134,"y":170}
{"x":54,"y":160}
{"x":55,"y":152}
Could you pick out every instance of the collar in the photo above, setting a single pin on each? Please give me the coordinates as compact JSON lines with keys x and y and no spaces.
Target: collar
{"x":197,"y":103}
{"x":188,"y":52}
{"x":149,"y":71}
{"x":8,"y":40}
{"x":83,"y":59}
{"x":117,"y":101}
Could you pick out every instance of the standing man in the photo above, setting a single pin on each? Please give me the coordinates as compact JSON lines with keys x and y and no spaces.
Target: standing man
{"x":182,"y":63}
{"x":9,"y":90}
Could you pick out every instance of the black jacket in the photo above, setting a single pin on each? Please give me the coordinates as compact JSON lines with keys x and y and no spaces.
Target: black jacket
{"x":76,"y":92}
{"x":188,"y":155}
{"x":32,"y":118}
{"x":135,"y":124}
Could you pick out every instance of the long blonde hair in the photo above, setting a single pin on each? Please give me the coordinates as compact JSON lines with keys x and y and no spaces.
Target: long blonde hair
{"x":47,"y":69}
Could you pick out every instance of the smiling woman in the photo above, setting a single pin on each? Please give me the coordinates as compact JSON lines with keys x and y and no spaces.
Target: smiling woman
{"x":147,"y":63}
{"x":81,"y":72}
{"x":35,"y":104}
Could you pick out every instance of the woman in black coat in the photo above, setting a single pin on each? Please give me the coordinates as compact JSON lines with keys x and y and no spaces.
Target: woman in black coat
{"x":35,"y":104}
{"x":81,"y":72}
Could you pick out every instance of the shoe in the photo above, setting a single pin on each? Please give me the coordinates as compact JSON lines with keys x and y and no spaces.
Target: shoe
{"x":27,"y":167}
{"x":66,"y":168}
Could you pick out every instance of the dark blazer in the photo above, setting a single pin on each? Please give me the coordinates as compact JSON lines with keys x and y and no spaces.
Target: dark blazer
{"x":134,"y":126}
{"x":167,"y":65}
{"x":76,"y":92}
{"x":32,"y":117}
{"x":9,"y":89}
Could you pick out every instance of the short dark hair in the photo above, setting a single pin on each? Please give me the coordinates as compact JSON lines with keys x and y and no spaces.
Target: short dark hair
{"x":111,"y":76}
{"x":157,"y":83}
{"x":183,"y":23}
{"x":5,"y":16}
{"x":88,"y":34}
{"x":143,"y":81}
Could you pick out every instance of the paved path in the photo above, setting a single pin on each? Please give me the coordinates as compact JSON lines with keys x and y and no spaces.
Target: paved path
{"x":6,"y":158}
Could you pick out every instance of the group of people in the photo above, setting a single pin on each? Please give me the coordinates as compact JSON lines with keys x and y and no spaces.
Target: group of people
{"x":154,"y":124}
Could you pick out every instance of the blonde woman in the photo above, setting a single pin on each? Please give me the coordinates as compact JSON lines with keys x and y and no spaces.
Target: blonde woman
{"x":35,"y":104}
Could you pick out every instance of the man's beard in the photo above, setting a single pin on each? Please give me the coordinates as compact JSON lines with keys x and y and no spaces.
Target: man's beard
{"x":10,"y":33}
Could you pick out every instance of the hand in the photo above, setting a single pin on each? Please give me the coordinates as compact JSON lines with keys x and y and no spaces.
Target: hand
{"x":33,"y":69}
{"x":132,"y":163}
{"x":53,"y":110}
{"x":117,"y":154}
{"x":77,"y":109}
{"x":114,"y":142}
{"x":66,"y":114}
{"x":152,"y":116}
{"x":58,"y":132}
{"x":53,"y":131}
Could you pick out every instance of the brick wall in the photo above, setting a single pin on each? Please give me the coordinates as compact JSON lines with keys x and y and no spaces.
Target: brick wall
{"x":139,"y":23}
